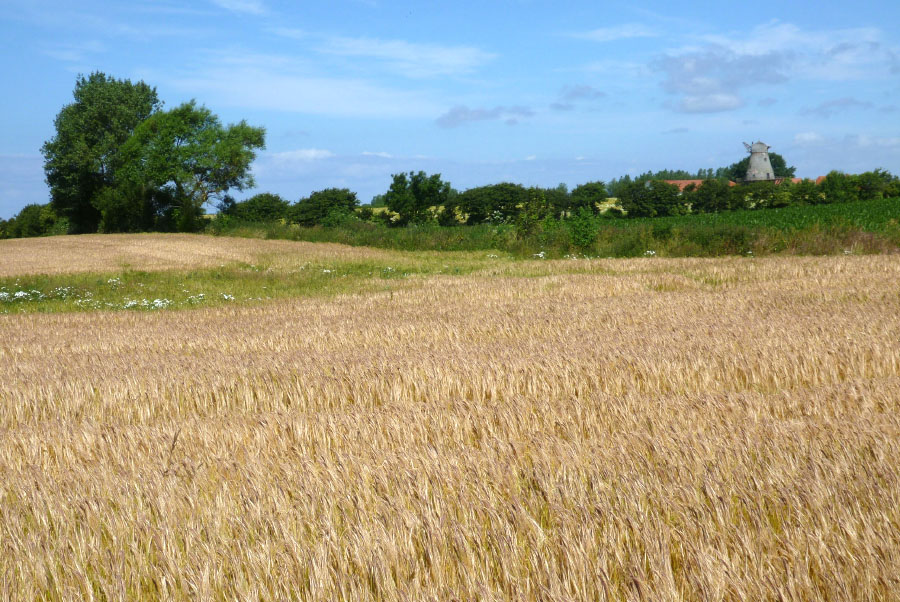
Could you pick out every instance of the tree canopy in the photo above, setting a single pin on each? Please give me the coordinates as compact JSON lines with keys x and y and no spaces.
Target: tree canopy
{"x":187,"y":156}
{"x":322,"y":205}
{"x":82,"y":157}
{"x":412,"y":196}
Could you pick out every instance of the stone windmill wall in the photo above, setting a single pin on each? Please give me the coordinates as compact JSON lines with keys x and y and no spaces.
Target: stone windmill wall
{"x":760,"y":169}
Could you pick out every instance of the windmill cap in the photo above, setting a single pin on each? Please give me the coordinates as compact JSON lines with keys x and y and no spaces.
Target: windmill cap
{"x":759,"y":147}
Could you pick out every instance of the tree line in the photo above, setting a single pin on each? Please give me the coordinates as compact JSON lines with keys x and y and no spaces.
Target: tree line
{"x":118,"y":162}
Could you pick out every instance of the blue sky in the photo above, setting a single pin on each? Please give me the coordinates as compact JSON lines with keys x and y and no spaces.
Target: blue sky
{"x":351,"y":91}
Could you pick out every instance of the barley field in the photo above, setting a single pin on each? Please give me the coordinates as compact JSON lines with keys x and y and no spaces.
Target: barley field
{"x":645,"y":429}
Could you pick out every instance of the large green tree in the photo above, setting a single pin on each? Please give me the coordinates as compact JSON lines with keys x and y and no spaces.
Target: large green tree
{"x":413,"y":196}
{"x":187,"y":155}
{"x":81,"y":159}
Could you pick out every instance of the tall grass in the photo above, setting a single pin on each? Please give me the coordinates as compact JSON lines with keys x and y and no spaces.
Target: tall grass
{"x":650,"y":429}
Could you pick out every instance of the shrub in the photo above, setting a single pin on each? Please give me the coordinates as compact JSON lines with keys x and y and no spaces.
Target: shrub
{"x":321,"y":205}
{"x":583,"y":227}
{"x":264,"y":207}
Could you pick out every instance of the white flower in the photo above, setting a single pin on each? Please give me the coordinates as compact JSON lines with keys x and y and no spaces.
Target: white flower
{"x":227,"y":297}
{"x":540,"y":255}
{"x":326,"y":271}
{"x":649,"y":253}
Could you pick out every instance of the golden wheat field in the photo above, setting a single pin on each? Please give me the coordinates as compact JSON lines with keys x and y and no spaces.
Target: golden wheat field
{"x":649,"y":429}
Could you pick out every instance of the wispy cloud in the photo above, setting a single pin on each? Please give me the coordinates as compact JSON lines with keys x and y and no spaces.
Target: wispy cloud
{"x":712,"y":76}
{"x":831,"y":107}
{"x":75,"y":53}
{"x":253,"y":7}
{"x":570,"y":95}
{"x":407,"y":58}
{"x":461,"y":114}
{"x":617,"y":32}
{"x":283,"y":83}
{"x":708,"y":80}
{"x":301,"y":154}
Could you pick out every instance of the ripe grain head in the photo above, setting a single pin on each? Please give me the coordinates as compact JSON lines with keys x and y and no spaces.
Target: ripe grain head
{"x":644,"y":429}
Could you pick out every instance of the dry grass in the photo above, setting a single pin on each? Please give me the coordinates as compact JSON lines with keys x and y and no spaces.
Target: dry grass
{"x":680,"y":429}
{"x":153,"y":252}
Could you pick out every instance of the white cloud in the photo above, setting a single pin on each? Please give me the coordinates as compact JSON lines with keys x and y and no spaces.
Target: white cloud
{"x":301,"y":154}
{"x":291,"y":162}
{"x":407,"y":58}
{"x":282,"y":83}
{"x":808,"y":138}
{"x":711,"y":76}
{"x":382,"y":155}
{"x":828,"y":55}
{"x":617,"y":32}
{"x":253,"y":7}
{"x":75,"y":53}
{"x":709,"y":103}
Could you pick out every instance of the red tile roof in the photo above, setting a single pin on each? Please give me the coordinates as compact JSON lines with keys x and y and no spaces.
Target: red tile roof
{"x":682,"y":184}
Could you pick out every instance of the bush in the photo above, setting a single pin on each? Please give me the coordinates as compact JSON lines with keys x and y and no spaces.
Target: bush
{"x":494,"y":203}
{"x":838,"y":187}
{"x":653,"y":199}
{"x":323,"y":205}
{"x":34,"y":220}
{"x":590,"y":196}
{"x":583,"y":228}
{"x":264,"y":207}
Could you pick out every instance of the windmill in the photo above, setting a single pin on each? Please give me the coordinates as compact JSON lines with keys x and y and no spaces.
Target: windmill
{"x":760,"y":169}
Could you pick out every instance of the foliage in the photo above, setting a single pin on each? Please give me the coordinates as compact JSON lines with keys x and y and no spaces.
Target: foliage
{"x":711,"y":196}
{"x":590,"y":196}
{"x":651,"y":199}
{"x":82,"y":158}
{"x":535,"y":210}
{"x":322,"y":205}
{"x":494,"y":203}
{"x":189,"y":156}
{"x":869,"y":226}
{"x":34,"y":220}
{"x":806,"y":192}
{"x":262,"y":207}
{"x":838,"y":187}
{"x":412,"y":196}
{"x":583,"y":227}
{"x":615,"y":186}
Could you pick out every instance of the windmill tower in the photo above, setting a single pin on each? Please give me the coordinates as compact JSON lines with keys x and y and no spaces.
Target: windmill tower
{"x":760,"y":169}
